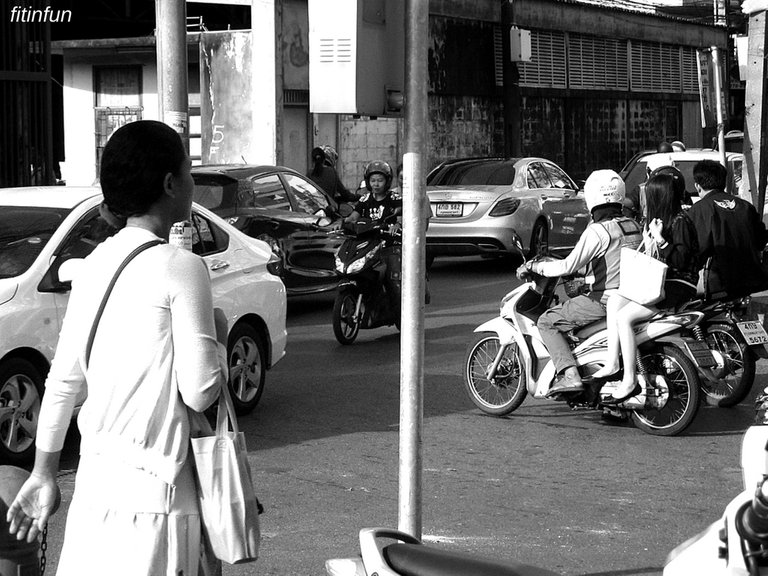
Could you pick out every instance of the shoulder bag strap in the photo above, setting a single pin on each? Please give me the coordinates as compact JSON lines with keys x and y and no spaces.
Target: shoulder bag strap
{"x":103,"y":304}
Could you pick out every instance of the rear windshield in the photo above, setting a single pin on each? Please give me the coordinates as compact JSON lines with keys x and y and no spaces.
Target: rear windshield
{"x":638,"y":175}
{"x":475,"y":174}
{"x":214,"y":192}
{"x":24,"y":232}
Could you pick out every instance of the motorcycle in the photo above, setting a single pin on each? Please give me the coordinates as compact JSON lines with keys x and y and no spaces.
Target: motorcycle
{"x":407,"y":555}
{"x":368,"y":294}
{"x":507,"y":361}
{"x":738,"y":543}
{"x":736,"y":340}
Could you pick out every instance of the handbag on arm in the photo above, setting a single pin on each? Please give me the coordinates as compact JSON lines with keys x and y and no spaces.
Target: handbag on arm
{"x":642,"y":274}
{"x":228,"y":506}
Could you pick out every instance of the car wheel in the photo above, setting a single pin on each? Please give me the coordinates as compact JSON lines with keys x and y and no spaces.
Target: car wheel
{"x":21,"y":390}
{"x":247,"y":367}
{"x":539,"y":240}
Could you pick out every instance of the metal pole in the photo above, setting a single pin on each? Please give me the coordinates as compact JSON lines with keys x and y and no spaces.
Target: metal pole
{"x":413,"y":267}
{"x":719,"y":105}
{"x":172,"y":88}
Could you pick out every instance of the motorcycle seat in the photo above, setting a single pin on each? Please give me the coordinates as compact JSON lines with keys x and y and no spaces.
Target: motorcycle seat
{"x":420,"y":560}
{"x":590,"y":329}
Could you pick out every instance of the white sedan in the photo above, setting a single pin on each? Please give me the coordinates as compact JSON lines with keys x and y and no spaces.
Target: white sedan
{"x":41,"y":228}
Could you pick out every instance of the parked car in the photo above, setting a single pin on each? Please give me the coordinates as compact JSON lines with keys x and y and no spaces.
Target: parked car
{"x":483,"y":206}
{"x":284,"y":209}
{"x":42,"y":228}
{"x":636,"y":170}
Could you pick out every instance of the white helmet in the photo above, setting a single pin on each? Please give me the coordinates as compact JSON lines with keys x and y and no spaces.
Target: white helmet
{"x":603,"y":187}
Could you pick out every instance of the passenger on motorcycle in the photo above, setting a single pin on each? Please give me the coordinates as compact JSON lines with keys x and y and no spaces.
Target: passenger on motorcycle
{"x":675,"y":237}
{"x":730,"y":232}
{"x":598,"y":251}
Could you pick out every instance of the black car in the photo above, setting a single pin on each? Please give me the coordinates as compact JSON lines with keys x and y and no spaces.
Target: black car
{"x":285,"y":209}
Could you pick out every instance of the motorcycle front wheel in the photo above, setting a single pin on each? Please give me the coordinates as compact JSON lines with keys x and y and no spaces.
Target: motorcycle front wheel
{"x":728,"y":383}
{"x":678,"y":389}
{"x":345,"y":324}
{"x":507,"y":390}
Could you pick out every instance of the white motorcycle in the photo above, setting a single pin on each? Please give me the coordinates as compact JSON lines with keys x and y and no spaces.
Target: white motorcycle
{"x":386,"y":552}
{"x":507,"y":360}
{"x":736,"y":545}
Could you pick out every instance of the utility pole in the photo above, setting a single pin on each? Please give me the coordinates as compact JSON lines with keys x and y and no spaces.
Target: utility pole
{"x":755,"y":167}
{"x":172,"y":82}
{"x":413,"y":268}
{"x":512,"y":137}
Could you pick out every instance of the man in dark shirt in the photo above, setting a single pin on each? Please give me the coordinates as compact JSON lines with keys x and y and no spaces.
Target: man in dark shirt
{"x":730,"y":233}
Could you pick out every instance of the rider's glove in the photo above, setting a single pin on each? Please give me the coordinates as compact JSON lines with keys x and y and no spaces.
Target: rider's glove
{"x":524,"y":271}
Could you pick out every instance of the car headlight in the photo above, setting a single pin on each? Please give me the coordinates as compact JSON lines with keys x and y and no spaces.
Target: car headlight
{"x":505,"y":207}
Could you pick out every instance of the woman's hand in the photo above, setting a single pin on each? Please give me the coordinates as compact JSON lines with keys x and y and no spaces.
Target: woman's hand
{"x":655,"y":227}
{"x":37,"y":500}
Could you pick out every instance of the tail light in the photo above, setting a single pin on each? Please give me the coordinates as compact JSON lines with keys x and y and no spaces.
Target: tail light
{"x":505,"y":207}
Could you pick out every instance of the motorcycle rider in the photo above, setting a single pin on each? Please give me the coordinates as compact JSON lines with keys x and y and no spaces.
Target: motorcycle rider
{"x":599,"y":251}
{"x":378,"y":204}
{"x":730,"y":232}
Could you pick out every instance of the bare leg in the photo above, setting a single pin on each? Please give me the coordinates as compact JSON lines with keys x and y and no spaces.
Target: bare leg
{"x":629,"y":314}
{"x":611,"y":366}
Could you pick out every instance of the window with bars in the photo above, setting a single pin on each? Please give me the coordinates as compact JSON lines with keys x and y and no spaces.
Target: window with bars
{"x":547,"y":67}
{"x":656,"y":67}
{"x":560,"y":60}
{"x":597,"y":63}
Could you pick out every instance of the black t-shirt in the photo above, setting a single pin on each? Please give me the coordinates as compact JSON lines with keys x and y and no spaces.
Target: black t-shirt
{"x":372,"y":209}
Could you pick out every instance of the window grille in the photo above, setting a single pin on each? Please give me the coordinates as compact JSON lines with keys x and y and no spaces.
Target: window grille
{"x":656,"y":67}
{"x":690,"y":73}
{"x":597,"y":63}
{"x":548,"y":61}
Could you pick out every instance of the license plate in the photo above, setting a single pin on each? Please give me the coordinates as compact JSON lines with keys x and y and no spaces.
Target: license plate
{"x":450,"y":210}
{"x":700,"y":353}
{"x":753,"y":332}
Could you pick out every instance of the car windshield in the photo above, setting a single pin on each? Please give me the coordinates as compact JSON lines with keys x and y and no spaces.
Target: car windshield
{"x":24,"y":232}
{"x":637,"y":175}
{"x":475,"y":174}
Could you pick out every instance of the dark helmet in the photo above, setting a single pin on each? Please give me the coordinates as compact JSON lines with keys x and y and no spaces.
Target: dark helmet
{"x":377,"y":167}
{"x":665,"y":147}
{"x":331,"y":156}
{"x":678,"y":180}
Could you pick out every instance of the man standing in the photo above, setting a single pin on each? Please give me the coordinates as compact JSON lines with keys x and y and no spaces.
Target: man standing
{"x":730,"y":234}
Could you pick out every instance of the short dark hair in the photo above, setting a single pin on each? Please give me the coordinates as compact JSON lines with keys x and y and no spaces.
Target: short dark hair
{"x":134,"y":164}
{"x":710,"y":175}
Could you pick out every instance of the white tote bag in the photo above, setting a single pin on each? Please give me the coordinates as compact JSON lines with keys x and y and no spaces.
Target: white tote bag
{"x":228,"y":506}
{"x":641,"y":274}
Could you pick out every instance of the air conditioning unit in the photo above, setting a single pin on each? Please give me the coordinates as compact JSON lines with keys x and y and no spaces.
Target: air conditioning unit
{"x":356,"y":56}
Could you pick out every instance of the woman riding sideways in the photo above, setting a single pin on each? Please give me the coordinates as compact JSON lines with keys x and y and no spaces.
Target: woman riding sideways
{"x":675,"y":237}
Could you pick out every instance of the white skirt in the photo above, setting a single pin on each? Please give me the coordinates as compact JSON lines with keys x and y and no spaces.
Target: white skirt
{"x":124,"y":521}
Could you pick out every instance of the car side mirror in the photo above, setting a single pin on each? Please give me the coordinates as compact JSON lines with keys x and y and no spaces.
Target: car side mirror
{"x":324,"y":221}
{"x":60,"y":275}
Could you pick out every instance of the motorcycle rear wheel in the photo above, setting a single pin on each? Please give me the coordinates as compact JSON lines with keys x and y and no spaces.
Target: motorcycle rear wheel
{"x":345,"y":325}
{"x":682,"y":401}
{"x":735,"y":372}
{"x":507,"y":390}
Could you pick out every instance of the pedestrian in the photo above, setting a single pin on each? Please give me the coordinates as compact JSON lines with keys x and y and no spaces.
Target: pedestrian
{"x":675,"y":236}
{"x":324,"y":175}
{"x":134,"y":510}
{"x":730,"y":234}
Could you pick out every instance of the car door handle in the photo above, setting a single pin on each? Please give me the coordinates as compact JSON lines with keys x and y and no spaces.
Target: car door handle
{"x":219,"y":265}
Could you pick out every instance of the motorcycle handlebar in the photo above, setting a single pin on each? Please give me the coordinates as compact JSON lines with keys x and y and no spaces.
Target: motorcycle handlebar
{"x":752,"y":522}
